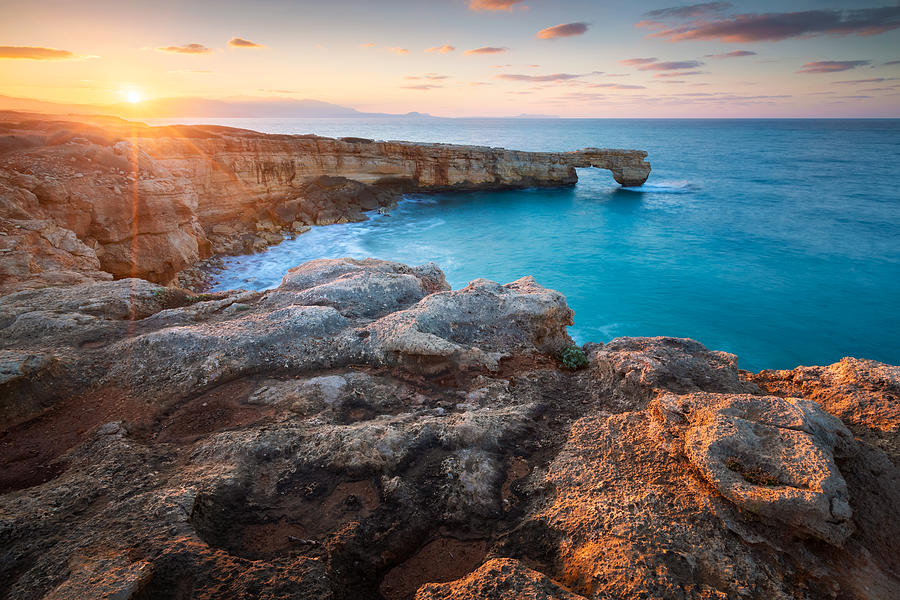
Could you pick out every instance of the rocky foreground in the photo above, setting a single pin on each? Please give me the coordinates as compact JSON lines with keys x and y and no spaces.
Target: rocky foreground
{"x":91,"y":199}
{"x":364,"y":432}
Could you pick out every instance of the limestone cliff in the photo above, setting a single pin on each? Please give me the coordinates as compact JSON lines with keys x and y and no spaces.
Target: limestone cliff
{"x":104,"y":196}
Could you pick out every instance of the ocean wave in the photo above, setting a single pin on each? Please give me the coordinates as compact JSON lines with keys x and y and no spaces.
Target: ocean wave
{"x":665,"y":187}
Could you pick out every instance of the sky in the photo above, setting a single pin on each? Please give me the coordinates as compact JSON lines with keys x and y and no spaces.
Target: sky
{"x":573,"y":58}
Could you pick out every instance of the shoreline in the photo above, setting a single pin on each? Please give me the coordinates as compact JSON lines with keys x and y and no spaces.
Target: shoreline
{"x":105,"y":196}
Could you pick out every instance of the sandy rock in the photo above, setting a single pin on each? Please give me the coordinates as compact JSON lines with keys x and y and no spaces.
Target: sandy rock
{"x":498,"y":579}
{"x":863,"y":393}
{"x":771,"y":456}
{"x":640,"y":367}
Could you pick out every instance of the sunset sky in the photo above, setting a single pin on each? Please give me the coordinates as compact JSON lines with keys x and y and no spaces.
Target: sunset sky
{"x":577,"y":58}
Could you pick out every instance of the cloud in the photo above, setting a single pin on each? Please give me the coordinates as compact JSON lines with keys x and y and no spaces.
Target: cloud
{"x":186,"y":49}
{"x":735,"y":54}
{"x":679,"y":74}
{"x":423,"y":86}
{"x":441,"y":49}
{"x":754,"y":27}
{"x":832,"y":66}
{"x":563,"y":30}
{"x":486,"y":50}
{"x":397,"y":49}
{"x":671,"y":65}
{"x":871,"y":80}
{"x":637,"y":61}
{"x":494,"y":5}
{"x":552,"y":77}
{"x":691,"y":11}
{"x":617,"y":86}
{"x":428,"y":76}
{"x":35,"y":53}
{"x":367,"y":45}
{"x":242,"y":43}
{"x":892,"y":62}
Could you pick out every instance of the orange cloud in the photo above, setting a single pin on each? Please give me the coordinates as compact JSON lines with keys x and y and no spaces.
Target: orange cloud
{"x":562,"y":30}
{"x":35,"y":53}
{"x":186,"y":49}
{"x":637,"y":61}
{"x":367,"y":45}
{"x":442,"y":49}
{"x":493,"y":5}
{"x":397,"y":49}
{"x":242,"y":43}
{"x":486,"y":50}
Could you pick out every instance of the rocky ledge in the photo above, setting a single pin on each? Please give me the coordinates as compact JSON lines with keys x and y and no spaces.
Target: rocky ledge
{"x":88,"y":199}
{"x":362,"y":431}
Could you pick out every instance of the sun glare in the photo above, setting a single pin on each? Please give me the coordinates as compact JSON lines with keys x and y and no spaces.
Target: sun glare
{"x":133,"y":96}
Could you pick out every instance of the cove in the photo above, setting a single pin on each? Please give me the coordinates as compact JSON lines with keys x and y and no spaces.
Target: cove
{"x":779,"y":253}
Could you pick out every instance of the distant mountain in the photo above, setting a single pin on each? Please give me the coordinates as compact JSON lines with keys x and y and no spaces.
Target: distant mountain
{"x":535,"y":116}
{"x":234,"y":107}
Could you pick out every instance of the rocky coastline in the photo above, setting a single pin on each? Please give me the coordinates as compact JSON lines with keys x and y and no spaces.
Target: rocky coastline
{"x":88,"y":199}
{"x":364,"y":431}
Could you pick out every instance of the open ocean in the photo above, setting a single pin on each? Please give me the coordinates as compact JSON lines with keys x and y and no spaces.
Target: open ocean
{"x":776,"y":240}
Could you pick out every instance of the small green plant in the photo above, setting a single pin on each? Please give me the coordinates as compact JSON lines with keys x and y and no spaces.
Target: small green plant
{"x":201,"y":298}
{"x":573,"y":358}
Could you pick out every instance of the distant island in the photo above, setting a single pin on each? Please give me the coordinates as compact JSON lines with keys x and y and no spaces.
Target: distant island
{"x":226,"y":108}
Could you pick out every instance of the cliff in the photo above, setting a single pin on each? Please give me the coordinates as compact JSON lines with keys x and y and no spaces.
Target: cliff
{"x":97,"y":198}
{"x":362,"y":431}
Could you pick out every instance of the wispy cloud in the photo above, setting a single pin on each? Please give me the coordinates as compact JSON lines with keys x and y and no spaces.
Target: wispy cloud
{"x":35,"y":53}
{"x":494,"y":5}
{"x":870,"y":80}
{"x":428,"y":76}
{"x":486,"y":50}
{"x":186,"y":49}
{"x":735,"y":54}
{"x":892,"y":62}
{"x":637,"y":61}
{"x":670,"y":65}
{"x":563,"y":30}
{"x":679,"y":74}
{"x":617,"y":86}
{"x":691,"y":11}
{"x":422,"y":86}
{"x":441,"y":49}
{"x":367,"y":45}
{"x":754,"y":27}
{"x":397,"y":49}
{"x":832,"y":66}
{"x":238,"y":42}
{"x":537,"y":78}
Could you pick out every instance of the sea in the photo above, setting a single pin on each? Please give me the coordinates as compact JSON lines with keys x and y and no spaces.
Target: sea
{"x":775,"y":240}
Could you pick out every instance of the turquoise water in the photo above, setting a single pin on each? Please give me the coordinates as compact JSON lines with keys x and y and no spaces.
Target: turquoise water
{"x":778,"y":241}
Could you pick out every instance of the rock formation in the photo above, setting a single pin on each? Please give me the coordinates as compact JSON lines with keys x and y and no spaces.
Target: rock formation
{"x":362,"y":431}
{"x":87,"y":199}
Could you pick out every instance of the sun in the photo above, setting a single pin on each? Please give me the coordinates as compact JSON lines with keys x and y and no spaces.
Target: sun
{"x":133,"y":96}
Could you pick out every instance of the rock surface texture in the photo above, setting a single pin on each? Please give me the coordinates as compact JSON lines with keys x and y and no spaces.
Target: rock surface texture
{"x":92,"y":199}
{"x":363,"y":431}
